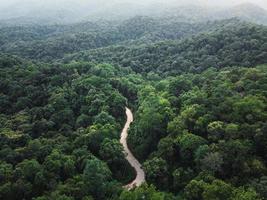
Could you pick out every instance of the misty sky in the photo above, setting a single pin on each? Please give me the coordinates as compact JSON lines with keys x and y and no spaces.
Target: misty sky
{"x":7,"y":3}
{"x":79,"y":9}
{"x":262,"y":3}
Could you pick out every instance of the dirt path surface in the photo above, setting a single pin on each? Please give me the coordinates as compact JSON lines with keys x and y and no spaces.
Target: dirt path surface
{"x":140,"y":174}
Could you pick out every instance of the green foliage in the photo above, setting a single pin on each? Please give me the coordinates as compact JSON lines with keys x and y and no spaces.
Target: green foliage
{"x":231,"y":43}
{"x":96,"y":175}
{"x":188,"y":144}
{"x":157,"y":172}
{"x":153,"y":115}
{"x":199,"y":107}
{"x":74,"y":111}
{"x":217,"y":189}
{"x":145,"y":192}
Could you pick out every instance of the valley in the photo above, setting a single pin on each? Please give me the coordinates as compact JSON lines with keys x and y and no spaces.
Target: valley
{"x":133,"y":102}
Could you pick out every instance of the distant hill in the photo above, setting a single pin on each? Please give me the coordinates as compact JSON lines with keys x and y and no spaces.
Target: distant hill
{"x":247,"y":11}
{"x":226,"y":43}
{"x":52,"y":41}
{"x":69,"y":11}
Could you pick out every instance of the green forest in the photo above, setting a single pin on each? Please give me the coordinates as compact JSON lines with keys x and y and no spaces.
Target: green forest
{"x":197,"y":90}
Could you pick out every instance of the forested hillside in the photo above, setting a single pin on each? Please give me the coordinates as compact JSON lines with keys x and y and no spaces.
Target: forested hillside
{"x":53,"y":42}
{"x":233,"y":43}
{"x":134,"y":37}
{"x":57,"y":122}
{"x":197,"y":90}
{"x":204,"y":133}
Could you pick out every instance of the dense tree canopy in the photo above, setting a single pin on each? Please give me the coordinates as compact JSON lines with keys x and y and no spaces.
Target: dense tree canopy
{"x":198,"y":92}
{"x":233,"y":44}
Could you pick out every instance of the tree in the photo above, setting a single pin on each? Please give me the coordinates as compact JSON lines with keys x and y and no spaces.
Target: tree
{"x":242,"y":194}
{"x":194,"y":190}
{"x":260,"y":185}
{"x":112,"y":152}
{"x":82,"y":121}
{"x":188,"y":119}
{"x":153,"y":116}
{"x":59,"y":166}
{"x":28,"y":169}
{"x":249,"y":109}
{"x":188,"y":144}
{"x":6,"y":172}
{"x":145,"y":192}
{"x":168,"y":149}
{"x":157,"y":171}
{"x":179,"y":85}
{"x":117,"y":104}
{"x":216,"y":130}
{"x":104,"y":118}
{"x":231,"y":131}
{"x":212,"y":162}
{"x":235,"y":155}
{"x":217,"y":190}
{"x":97,"y":175}
{"x":181,"y":177}
{"x":200,"y":153}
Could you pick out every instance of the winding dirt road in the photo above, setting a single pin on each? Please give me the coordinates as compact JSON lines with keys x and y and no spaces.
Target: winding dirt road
{"x":140,"y":174}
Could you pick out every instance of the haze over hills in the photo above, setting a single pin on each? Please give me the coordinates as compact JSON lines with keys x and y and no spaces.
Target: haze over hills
{"x":69,"y":11}
{"x":190,"y":75}
{"x":247,"y":11}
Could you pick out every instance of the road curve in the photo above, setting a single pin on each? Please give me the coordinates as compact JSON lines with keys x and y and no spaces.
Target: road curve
{"x":140,"y":174}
